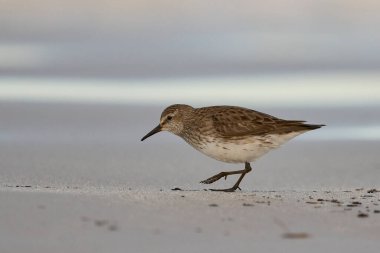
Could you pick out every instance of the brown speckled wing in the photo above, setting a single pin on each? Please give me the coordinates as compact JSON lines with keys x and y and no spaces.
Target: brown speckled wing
{"x":237,"y":122}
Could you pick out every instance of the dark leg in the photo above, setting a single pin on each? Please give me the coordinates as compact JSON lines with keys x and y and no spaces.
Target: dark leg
{"x":220,"y":175}
{"x":225,"y":174}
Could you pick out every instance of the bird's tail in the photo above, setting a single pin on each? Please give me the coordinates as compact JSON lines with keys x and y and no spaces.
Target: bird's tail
{"x":312,"y":127}
{"x":299,"y":125}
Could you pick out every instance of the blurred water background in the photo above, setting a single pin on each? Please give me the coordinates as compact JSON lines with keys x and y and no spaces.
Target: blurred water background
{"x":81,"y":81}
{"x":166,"y":38}
{"x":272,"y":54}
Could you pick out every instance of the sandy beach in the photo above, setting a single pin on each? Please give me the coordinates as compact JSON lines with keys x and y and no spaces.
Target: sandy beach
{"x":36,"y":219}
{"x":76,"y":178}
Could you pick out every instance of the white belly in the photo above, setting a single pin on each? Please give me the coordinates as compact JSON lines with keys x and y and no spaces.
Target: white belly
{"x":240,"y":151}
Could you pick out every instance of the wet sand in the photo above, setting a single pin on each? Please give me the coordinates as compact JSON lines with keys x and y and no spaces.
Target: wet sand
{"x":36,"y":219}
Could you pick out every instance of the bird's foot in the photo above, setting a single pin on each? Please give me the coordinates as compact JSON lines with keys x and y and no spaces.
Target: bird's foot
{"x":215,"y":178}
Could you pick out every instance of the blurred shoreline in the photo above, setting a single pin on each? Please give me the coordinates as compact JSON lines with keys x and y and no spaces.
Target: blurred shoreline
{"x":358,"y":89}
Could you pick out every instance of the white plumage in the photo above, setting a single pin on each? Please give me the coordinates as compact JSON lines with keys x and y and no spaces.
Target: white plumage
{"x":241,"y":151}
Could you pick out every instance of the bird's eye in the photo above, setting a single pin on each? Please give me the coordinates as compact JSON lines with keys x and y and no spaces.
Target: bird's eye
{"x":169,"y":118}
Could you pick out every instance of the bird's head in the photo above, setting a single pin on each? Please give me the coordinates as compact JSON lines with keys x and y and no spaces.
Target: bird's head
{"x":172,"y":120}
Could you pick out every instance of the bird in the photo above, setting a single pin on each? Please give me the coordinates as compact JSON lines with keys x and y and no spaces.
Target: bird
{"x":230,"y":134}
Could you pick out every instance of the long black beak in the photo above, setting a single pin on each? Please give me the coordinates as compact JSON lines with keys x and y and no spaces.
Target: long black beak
{"x":154,"y":131}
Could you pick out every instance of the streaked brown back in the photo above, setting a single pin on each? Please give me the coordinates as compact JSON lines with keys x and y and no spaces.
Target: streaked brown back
{"x":237,"y":122}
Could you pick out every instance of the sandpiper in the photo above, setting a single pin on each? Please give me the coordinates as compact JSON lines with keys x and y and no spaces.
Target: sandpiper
{"x":229,"y":133}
